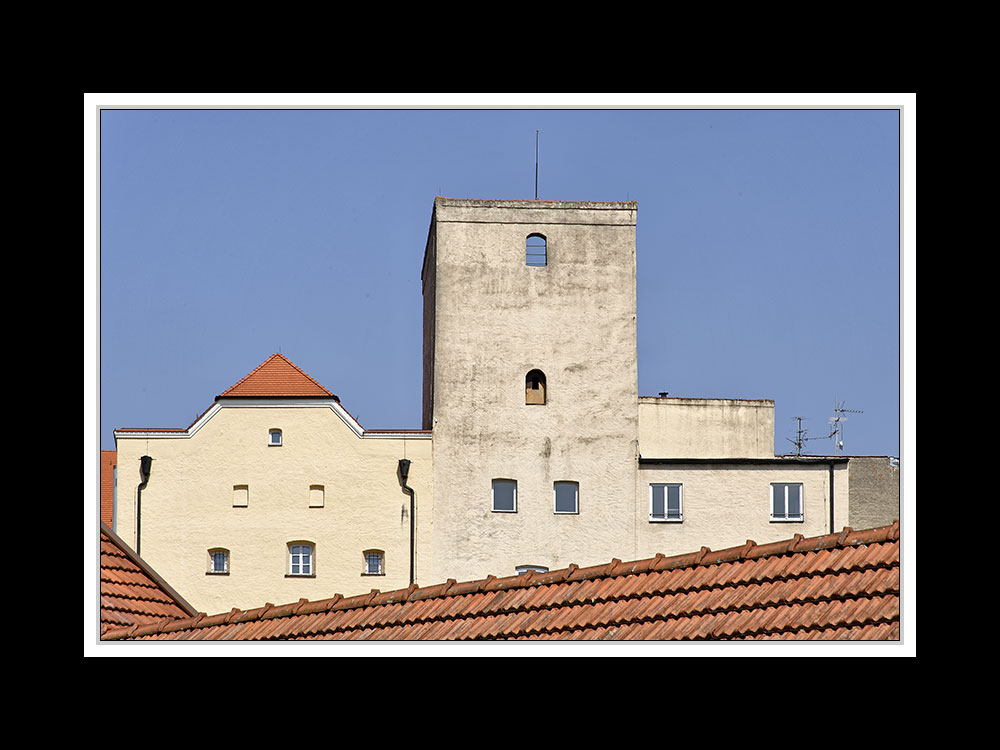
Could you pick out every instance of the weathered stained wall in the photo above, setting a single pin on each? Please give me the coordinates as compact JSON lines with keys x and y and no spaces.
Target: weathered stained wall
{"x":187,"y":507}
{"x":494,"y":319}
{"x":706,"y":428}
{"x":874,"y":491}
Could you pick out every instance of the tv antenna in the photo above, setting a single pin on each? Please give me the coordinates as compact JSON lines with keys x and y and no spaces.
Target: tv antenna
{"x":536,"y":165}
{"x":800,"y":437}
{"x":837,"y":424}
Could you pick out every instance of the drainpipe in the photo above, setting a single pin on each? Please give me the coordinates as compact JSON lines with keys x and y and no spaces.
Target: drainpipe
{"x":145,"y":464}
{"x":404,"y":472}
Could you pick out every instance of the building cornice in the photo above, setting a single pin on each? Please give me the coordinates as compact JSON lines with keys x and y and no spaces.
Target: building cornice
{"x":270,"y":403}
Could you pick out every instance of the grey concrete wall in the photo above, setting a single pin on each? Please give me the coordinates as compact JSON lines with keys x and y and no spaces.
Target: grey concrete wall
{"x":874,"y":491}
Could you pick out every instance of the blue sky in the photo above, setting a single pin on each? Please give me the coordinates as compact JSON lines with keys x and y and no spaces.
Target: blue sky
{"x":768,"y":249}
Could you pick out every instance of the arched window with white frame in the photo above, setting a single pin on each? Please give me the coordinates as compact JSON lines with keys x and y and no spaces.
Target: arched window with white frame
{"x":301,"y":559}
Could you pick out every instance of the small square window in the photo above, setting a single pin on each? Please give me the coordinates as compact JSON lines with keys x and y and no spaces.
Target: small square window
{"x":504,"y":496}
{"x":786,"y":501}
{"x":274,"y":437}
{"x":665,"y":503}
{"x":567,"y":497}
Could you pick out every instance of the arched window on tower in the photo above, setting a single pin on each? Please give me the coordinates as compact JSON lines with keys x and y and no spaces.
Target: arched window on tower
{"x":535,"y":250}
{"x":534,"y":387}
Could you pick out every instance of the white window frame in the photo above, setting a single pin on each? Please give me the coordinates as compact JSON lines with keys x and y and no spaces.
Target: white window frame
{"x":786,"y":518}
{"x":576,"y":499}
{"x":270,"y":437}
{"x":529,"y":568}
{"x":665,"y":518}
{"x":306,"y":561}
{"x":493,"y":501}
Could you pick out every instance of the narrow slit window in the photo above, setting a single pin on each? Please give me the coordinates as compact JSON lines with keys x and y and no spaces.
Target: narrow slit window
{"x":536,"y":250}
{"x":534,"y":387}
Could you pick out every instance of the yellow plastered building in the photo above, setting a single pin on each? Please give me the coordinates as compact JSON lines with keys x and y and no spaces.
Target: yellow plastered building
{"x":535,"y":452}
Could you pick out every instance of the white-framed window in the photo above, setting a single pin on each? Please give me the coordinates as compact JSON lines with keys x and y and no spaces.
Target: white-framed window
{"x":535,"y":250}
{"x":504,"y":496}
{"x":300,"y":559}
{"x":274,"y":437}
{"x":218,"y":561}
{"x":374,"y":562}
{"x":666,"y":502}
{"x":786,"y":501}
{"x":522,"y":569}
{"x":566,"y":497}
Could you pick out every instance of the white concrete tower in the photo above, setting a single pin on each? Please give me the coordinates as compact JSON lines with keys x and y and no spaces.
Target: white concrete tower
{"x":530,"y":383}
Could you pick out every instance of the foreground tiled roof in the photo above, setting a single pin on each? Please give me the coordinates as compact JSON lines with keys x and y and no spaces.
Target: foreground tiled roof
{"x":276,"y":377}
{"x":834,"y":587}
{"x":131,"y":592}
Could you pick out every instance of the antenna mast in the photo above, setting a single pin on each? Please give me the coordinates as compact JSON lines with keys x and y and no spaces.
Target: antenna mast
{"x":837,"y":424}
{"x":536,"y":165}
{"x":800,"y":437}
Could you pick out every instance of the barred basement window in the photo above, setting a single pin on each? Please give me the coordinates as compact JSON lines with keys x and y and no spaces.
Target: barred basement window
{"x":374,"y":562}
{"x":218,"y":561}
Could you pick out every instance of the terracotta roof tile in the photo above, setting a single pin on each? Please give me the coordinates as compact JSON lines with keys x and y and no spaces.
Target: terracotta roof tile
{"x":132,"y":593}
{"x":841,"y":586}
{"x":276,"y":377}
{"x":108,"y":461}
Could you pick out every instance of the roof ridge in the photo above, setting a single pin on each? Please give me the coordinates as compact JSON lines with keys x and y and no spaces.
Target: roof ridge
{"x":276,"y":357}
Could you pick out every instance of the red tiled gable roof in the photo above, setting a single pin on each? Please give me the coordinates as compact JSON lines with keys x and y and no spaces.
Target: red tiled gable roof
{"x":834,"y":587}
{"x":108,"y":461}
{"x":131,"y":592}
{"x":276,"y":377}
